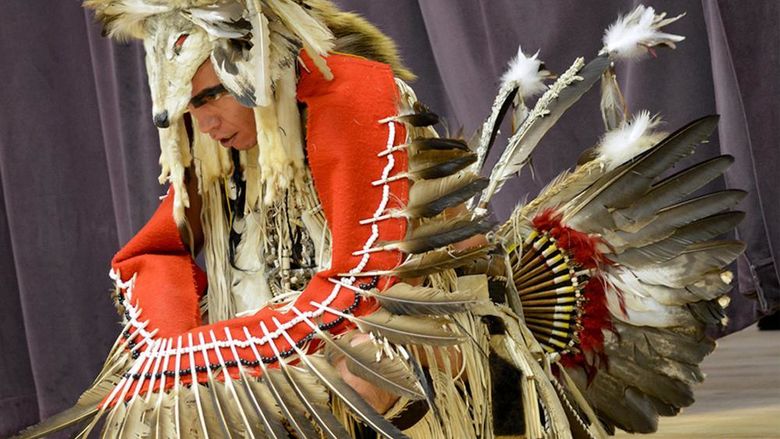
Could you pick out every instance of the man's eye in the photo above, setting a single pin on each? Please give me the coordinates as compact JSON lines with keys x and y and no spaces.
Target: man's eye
{"x":179,"y":43}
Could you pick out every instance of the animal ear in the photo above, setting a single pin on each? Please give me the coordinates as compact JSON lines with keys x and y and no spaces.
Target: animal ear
{"x":221,"y":20}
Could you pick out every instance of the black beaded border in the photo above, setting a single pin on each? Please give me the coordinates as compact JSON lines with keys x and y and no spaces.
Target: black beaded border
{"x":234,"y":363}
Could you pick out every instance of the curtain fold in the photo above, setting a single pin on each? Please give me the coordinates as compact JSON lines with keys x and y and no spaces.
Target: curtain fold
{"x":78,"y":151}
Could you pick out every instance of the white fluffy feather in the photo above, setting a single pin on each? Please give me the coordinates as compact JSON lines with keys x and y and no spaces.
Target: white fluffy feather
{"x":632,"y":35}
{"x":525,"y":73}
{"x":628,"y":140}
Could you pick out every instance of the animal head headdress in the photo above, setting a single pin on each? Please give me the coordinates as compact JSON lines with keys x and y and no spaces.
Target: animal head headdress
{"x":253,"y":46}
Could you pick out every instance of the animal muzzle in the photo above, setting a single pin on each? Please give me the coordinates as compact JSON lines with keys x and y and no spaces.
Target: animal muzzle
{"x":161,"y":120}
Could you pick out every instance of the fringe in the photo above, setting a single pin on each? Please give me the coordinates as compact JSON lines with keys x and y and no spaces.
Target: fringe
{"x":212,"y":166}
{"x":174,"y":158}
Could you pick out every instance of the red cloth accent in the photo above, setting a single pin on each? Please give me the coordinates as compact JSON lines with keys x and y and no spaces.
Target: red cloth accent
{"x":344,"y":137}
{"x":584,"y":249}
{"x":343,"y":140}
{"x":169,"y":284}
{"x":581,"y":246}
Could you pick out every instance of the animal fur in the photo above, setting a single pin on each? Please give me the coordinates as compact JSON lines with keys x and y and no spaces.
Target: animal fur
{"x":356,"y":36}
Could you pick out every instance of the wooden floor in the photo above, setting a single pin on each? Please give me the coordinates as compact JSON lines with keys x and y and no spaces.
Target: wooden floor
{"x":740,"y":397}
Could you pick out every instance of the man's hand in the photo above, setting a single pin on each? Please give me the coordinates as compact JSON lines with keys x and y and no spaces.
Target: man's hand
{"x":380,"y":399}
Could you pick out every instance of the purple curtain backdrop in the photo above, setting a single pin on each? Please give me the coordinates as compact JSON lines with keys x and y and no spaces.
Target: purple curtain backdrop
{"x":78,"y":153}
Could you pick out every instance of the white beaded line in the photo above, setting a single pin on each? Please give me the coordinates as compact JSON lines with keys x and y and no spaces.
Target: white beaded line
{"x":228,"y":379}
{"x":204,"y":350}
{"x":194,"y":386}
{"x":162,"y":376}
{"x":140,"y":382}
{"x":178,"y":368}
{"x":382,"y":204}
{"x":140,"y":327}
{"x":251,"y":341}
{"x":163,"y":347}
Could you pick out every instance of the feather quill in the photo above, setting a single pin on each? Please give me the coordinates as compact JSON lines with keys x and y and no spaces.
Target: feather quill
{"x":190,"y":424}
{"x":269,"y":413}
{"x":622,"y":186}
{"x":290,"y":409}
{"x":711,"y":312}
{"x":669,"y":191}
{"x":238,"y":419}
{"x":219,"y":415}
{"x":712,"y":285}
{"x":438,"y":234}
{"x":316,"y":399}
{"x":368,"y":362}
{"x":406,"y":299}
{"x":431,"y":262}
{"x":430,"y":164}
{"x":322,"y":416}
{"x":613,"y":105}
{"x":428,"y":198}
{"x":403,"y":330}
{"x":258,"y":396}
{"x":697,"y":260}
{"x":195,"y":387}
{"x":330,"y":377}
{"x":567,"y":90}
{"x":523,"y":78}
{"x":695,"y":232}
{"x":441,"y":233}
{"x":671,"y":218}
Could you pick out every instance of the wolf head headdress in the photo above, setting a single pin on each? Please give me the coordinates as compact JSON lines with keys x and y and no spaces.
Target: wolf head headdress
{"x":253,"y":46}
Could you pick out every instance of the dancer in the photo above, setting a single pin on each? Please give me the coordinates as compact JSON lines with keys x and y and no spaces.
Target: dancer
{"x":356,"y":279}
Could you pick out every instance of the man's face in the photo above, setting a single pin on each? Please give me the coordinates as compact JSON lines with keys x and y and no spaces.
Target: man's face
{"x":219,"y":114}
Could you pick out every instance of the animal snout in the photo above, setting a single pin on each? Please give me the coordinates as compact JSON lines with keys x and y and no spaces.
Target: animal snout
{"x":161,"y":120}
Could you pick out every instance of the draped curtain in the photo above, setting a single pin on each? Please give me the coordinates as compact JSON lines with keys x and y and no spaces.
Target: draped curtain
{"x":78,"y":152}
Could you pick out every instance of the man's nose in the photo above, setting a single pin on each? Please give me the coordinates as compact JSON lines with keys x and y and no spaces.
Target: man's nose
{"x":207,"y":123}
